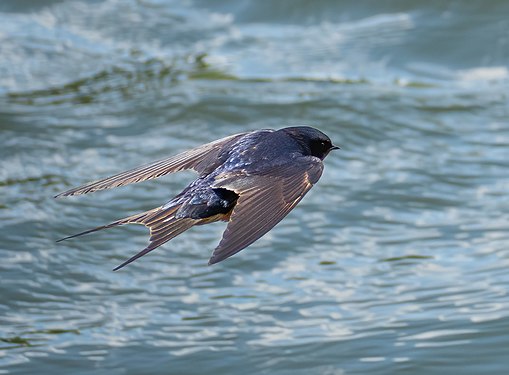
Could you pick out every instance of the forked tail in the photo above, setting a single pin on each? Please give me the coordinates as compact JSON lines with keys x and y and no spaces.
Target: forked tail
{"x":162,"y":223}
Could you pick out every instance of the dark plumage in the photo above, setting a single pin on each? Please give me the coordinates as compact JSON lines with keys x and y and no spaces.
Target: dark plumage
{"x":252,"y":180}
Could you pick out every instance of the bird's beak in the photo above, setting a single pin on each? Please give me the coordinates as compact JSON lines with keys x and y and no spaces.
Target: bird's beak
{"x":335,"y":148}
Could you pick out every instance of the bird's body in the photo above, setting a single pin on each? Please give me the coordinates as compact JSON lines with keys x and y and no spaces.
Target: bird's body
{"x":251,"y":180}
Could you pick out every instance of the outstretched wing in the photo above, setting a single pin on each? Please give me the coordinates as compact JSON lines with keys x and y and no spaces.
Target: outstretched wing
{"x":264,"y":200}
{"x":198,"y":159}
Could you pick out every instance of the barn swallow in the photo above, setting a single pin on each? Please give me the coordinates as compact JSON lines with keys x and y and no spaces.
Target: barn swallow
{"x":251,"y":180}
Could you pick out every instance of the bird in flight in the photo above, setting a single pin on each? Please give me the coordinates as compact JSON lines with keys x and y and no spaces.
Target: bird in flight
{"x":251,"y":180}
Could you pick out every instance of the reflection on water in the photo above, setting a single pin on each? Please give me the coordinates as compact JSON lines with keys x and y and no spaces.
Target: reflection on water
{"x":396,"y":262}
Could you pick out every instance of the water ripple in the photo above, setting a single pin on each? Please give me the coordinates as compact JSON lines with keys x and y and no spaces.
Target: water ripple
{"x":395,"y":262}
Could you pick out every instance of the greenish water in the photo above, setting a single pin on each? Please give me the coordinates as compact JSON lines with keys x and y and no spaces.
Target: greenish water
{"x":395,"y":263}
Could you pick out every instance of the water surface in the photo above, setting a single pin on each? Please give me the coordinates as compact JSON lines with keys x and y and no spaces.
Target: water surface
{"x":396,"y":261}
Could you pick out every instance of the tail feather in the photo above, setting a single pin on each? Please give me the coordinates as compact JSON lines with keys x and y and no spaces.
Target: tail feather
{"x":135,"y":219}
{"x":162,"y":223}
{"x":177,"y":227}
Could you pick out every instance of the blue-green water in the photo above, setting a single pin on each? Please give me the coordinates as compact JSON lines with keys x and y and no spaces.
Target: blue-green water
{"x":395,"y":263}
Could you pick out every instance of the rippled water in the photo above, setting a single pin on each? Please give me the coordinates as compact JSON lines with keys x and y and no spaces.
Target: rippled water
{"x":396,"y":262}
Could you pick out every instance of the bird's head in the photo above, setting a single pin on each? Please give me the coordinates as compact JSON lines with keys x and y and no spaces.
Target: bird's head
{"x":312,"y":140}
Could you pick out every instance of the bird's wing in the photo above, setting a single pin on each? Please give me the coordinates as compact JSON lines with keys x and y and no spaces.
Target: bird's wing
{"x":264,"y":200}
{"x":198,"y":159}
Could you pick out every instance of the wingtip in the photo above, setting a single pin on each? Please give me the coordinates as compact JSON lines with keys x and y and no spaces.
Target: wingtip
{"x":61,"y":194}
{"x":213,"y":260}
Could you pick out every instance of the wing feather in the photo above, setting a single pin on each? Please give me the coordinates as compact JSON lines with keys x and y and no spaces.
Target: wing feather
{"x":198,"y":159}
{"x":264,"y":200}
